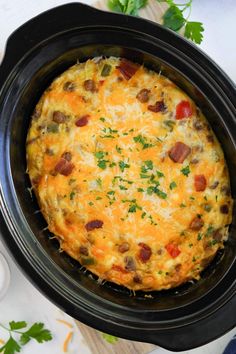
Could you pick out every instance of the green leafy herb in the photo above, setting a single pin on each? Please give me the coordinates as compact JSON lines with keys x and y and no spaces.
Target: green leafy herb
{"x":99,"y":181}
{"x":174,"y":17}
{"x":172,"y":185}
{"x":99,"y":154}
{"x":186,"y":171}
{"x":72,"y":195}
{"x":157,"y":191}
{"x":143,"y":141}
{"x":118,"y":149}
{"x":109,"y":338}
{"x":36,"y":332}
{"x":123,"y":165}
{"x":98,"y":198}
{"x":87,"y":261}
{"x":182,"y":205}
{"x":102,"y":119}
{"x":123,"y":188}
{"x":90,"y":203}
{"x":140,"y":190}
{"x":102,"y":164}
{"x":199,"y":237}
{"x":193,"y":31}
{"x":160,"y":174}
{"x":129,"y":7}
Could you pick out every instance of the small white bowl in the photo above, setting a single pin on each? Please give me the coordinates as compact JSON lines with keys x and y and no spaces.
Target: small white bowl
{"x":4,"y":276}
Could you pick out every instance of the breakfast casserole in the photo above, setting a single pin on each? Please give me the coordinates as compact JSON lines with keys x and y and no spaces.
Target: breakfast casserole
{"x":129,"y":175}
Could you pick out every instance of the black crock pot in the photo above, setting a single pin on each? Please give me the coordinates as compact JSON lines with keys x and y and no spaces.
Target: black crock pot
{"x":38,"y":51}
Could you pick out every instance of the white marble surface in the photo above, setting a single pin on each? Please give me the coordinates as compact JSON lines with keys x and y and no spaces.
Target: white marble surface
{"x":23,"y":301}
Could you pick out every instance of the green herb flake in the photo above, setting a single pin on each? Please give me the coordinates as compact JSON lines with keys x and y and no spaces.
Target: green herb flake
{"x":118,"y":149}
{"x":172,"y":185}
{"x":71,"y":181}
{"x":102,"y":164}
{"x":90,"y":203}
{"x":98,"y":198}
{"x":99,"y":181}
{"x":190,"y":245}
{"x":102,"y":119}
{"x":186,"y":171}
{"x":160,"y":174}
{"x":112,"y":164}
{"x":99,"y":154}
{"x":72,"y":195}
{"x":143,"y":215}
{"x":199,"y":236}
{"x":123,"y":188}
{"x":140,"y":190}
{"x":182,"y":205}
{"x":123,"y":165}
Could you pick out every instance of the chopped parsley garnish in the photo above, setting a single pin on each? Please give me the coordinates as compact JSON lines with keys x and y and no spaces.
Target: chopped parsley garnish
{"x":157,"y":191}
{"x":112,"y":164}
{"x":98,"y":198}
{"x":143,"y":215}
{"x":143,"y":141}
{"x":99,"y":154}
{"x":140,"y":190}
{"x":172,"y":185}
{"x":186,"y":171}
{"x":72,"y":195}
{"x":209,"y":231}
{"x":182,"y":205}
{"x":123,"y":165}
{"x":99,"y":181}
{"x":160,"y":174}
{"x":192,"y":198}
{"x":72,"y":180}
{"x":199,"y":237}
{"x":90,"y":203}
{"x":118,"y":149}
{"x":102,"y":164}
{"x":123,"y":188}
{"x":102,"y":119}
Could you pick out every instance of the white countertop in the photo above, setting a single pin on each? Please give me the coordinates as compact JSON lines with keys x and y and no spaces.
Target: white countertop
{"x":23,"y":301}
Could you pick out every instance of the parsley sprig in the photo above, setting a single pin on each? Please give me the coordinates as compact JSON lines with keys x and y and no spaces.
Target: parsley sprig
{"x":174,"y":17}
{"x":36,"y":332}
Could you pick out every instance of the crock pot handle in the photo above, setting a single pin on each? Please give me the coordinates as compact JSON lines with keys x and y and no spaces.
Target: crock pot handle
{"x":32,"y":33}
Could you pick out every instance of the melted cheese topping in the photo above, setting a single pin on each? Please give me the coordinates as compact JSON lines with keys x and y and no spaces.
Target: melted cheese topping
{"x":99,"y":159}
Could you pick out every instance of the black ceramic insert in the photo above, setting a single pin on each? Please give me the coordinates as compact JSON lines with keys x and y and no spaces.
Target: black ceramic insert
{"x":36,"y":53}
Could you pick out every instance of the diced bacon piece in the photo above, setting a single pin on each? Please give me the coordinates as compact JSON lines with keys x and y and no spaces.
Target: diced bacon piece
{"x":179,"y":152}
{"x":200,"y":183}
{"x":127,"y":69}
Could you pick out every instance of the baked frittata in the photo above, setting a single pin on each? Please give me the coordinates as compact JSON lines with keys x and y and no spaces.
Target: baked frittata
{"x":129,"y":175}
